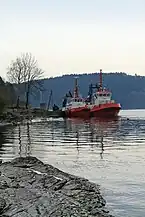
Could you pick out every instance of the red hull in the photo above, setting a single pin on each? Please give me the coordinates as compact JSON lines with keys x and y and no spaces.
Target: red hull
{"x":105,"y":110}
{"x":78,"y":112}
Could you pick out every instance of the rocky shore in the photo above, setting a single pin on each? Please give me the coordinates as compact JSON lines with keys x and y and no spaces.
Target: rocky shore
{"x":28,"y":187}
{"x":16,"y":116}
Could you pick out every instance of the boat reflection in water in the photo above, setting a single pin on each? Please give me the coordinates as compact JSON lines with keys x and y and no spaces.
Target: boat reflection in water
{"x":92,"y":131}
{"x":57,"y":136}
{"x":108,"y":152}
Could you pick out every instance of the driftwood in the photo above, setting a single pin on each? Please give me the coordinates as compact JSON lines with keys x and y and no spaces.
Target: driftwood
{"x":30,"y":188}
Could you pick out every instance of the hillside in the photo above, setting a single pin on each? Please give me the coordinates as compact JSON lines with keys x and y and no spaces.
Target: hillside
{"x":128,"y":90}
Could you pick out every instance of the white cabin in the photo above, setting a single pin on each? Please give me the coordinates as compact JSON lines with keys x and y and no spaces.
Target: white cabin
{"x":73,"y":103}
{"x":102,"y":97}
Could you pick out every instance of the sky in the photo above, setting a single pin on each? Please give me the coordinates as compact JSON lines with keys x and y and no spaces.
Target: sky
{"x":74,"y":36}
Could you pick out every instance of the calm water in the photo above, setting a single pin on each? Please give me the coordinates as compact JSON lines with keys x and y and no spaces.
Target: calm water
{"x":110,"y":153}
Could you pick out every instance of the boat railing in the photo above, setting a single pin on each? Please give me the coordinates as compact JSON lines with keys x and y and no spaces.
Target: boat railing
{"x":110,"y":101}
{"x":106,"y":102}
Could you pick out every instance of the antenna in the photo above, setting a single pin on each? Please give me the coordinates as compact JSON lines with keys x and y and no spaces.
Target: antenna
{"x":49,"y":100}
{"x":41,"y":96}
{"x":101,"y":78}
{"x":76,"y":94}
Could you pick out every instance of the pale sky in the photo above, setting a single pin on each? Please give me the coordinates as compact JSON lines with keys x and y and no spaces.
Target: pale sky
{"x":68,"y":36}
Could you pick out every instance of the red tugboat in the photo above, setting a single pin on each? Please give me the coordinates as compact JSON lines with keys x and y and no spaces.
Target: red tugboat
{"x":101,"y":103}
{"x":75,"y":106}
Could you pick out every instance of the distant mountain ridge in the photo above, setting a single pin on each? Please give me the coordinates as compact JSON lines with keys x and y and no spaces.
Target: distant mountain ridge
{"x":126,"y":89}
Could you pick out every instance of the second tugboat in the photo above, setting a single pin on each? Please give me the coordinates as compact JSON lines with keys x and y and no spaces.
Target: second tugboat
{"x":101,"y":103}
{"x":75,"y":106}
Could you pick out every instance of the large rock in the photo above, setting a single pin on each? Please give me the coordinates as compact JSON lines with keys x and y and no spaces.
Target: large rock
{"x":30,"y":188}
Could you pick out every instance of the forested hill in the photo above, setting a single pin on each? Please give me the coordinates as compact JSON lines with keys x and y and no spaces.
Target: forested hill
{"x":128,"y":90}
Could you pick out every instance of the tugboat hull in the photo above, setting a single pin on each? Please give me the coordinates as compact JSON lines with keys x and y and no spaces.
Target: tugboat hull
{"x":78,"y":113}
{"x":98,"y":104}
{"x":105,"y":110}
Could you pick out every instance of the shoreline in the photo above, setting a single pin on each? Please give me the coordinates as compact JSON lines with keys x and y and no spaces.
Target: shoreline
{"x":14,"y":116}
{"x":31,"y":188}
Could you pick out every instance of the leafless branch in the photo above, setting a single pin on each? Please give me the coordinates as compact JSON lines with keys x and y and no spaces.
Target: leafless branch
{"x":25,"y":70}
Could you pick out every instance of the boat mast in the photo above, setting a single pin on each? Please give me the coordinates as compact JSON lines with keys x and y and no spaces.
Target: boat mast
{"x":101,"y":78}
{"x":76,"y":94}
{"x":49,"y":100}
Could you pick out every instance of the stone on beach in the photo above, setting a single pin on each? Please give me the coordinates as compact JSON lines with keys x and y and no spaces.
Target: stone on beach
{"x":28,"y":187}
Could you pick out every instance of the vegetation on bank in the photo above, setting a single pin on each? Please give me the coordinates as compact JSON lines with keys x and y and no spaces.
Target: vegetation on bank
{"x":25,"y":75}
{"x":24,"y":79}
{"x":7,"y":95}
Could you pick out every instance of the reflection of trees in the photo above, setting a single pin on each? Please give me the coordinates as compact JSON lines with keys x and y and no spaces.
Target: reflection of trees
{"x":2,"y":141}
{"x":6,"y":134}
{"x":75,"y":133}
{"x":52,"y":130}
{"x":2,"y":137}
{"x":20,"y":141}
{"x":77,"y":141}
{"x":27,"y":143}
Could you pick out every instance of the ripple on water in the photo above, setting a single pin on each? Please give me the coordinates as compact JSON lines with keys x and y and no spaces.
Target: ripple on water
{"x":107,"y":152}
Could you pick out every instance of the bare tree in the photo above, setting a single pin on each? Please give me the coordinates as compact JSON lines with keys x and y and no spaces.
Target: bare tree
{"x":25,"y":70}
{"x":32,"y":75}
{"x":15,"y":75}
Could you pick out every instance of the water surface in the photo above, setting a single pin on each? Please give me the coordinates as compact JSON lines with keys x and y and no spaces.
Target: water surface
{"x":108,"y":152}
